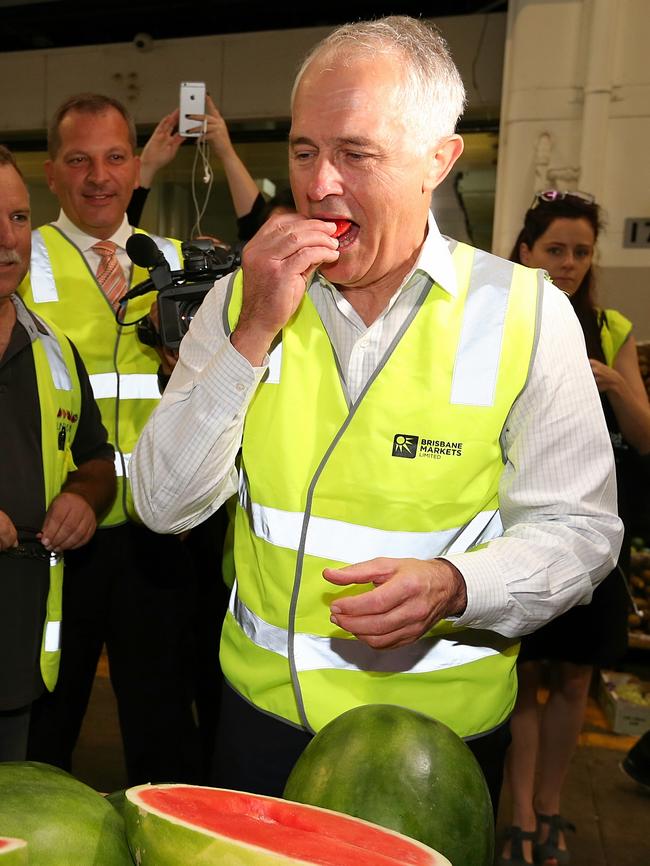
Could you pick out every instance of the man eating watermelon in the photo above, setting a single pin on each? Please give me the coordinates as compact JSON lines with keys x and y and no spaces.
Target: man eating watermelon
{"x":418,"y":482}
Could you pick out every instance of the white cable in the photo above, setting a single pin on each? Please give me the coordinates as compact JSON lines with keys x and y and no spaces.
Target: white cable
{"x":202,"y":150}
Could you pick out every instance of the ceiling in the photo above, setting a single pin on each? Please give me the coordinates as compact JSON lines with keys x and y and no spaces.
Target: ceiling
{"x":30,"y":25}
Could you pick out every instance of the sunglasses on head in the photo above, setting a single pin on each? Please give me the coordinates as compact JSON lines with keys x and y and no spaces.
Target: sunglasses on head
{"x":549,"y":195}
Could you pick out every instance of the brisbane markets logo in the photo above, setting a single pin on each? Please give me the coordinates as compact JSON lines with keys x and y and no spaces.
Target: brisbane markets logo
{"x":411,"y":446}
{"x":405,"y":445}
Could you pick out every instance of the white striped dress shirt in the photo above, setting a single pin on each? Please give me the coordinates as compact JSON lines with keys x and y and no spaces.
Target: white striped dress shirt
{"x":557,"y":492}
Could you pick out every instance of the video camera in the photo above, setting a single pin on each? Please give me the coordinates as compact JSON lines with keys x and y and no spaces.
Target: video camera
{"x":180,"y":293}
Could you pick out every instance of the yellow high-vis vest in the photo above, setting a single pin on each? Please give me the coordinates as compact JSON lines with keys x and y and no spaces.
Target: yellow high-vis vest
{"x":615,"y":328}
{"x":122,"y":370}
{"x":59,"y":396}
{"x":411,"y":469}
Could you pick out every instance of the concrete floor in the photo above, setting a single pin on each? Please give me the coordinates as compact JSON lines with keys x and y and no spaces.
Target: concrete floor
{"x":611,"y":812}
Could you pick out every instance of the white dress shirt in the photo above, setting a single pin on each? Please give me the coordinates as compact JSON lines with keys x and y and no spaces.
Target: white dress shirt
{"x":557,"y":492}
{"x":85,"y":242}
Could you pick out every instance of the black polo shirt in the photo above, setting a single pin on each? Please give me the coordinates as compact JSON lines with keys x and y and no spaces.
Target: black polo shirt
{"x":24,"y":582}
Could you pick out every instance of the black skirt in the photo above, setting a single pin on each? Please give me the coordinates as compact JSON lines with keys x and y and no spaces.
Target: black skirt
{"x":588,"y":634}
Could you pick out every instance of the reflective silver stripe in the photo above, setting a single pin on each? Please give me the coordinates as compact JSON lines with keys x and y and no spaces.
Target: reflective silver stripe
{"x":119,"y":469}
{"x":330,"y":653}
{"x":351,"y":542}
{"x":52,"y":641}
{"x":169,"y":250}
{"x":479,"y":348}
{"x":40,"y":272}
{"x":275,"y":364}
{"x":58,"y":367}
{"x":133,"y":386}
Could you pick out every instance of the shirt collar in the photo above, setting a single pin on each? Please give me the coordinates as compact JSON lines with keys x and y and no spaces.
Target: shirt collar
{"x":84,"y":241}
{"x":435,"y":259}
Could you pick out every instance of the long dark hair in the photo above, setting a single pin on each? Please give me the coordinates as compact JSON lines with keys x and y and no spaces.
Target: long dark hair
{"x":537,"y":220}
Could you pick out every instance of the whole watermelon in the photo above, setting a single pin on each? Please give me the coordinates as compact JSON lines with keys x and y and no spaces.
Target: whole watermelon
{"x":65,"y":822}
{"x":403,"y":770}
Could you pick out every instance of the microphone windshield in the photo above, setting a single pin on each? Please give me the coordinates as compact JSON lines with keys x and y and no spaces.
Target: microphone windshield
{"x":143,"y":251}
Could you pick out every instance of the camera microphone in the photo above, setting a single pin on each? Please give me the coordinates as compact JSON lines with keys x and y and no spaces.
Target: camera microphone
{"x":144,"y":252}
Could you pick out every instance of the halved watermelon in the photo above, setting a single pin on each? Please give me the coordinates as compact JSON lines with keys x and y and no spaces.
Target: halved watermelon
{"x":172,"y":824}
{"x":13,"y":852}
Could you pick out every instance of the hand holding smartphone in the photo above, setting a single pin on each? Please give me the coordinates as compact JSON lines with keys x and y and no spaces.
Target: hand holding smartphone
{"x":192,"y":101}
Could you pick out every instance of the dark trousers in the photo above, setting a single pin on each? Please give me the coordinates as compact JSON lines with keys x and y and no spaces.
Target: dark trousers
{"x":256,"y":752}
{"x":134,"y":591}
{"x":205,"y":546}
{"x":14,"y":726}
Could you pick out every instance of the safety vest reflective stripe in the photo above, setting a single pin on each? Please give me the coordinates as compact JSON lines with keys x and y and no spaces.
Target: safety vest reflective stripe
{"x":311,"y":652}
{"x":52,"y":637}
{"x":119,"y":467}
{"x":42,"y":279}
{"x":479,"y":349}
{"x":350,"y":542}
{"x":133,"y":386}
{"x":58,"y":367}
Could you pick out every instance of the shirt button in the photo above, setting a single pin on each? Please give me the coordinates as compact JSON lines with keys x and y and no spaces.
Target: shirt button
{"x":239,"y":386}
{"x":363,"y":344}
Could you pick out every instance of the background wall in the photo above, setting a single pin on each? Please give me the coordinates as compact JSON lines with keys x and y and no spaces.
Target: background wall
{"x":575,"y":114}
{"x":250,"y":76}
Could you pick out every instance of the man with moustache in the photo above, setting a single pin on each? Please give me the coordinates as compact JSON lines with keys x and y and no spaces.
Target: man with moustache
{"x":56,"y":474}
{"x":130,"y":590}
{"x":424,"y":472}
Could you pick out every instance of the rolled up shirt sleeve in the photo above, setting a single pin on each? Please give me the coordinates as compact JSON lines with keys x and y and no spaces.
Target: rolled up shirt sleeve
{"x":183,"y":466}
{"x":557,"y":493}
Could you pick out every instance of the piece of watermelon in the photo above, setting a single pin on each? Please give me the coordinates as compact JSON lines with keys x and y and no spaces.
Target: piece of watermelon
{"x":65,"y":822}
{"x":172,"y":824}
{"x":403,"y":770}
{"x":13,"y":852}
{"x":342,"y":227}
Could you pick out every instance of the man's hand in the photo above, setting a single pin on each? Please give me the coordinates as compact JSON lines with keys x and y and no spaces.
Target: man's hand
{"x":161,"y":148}
{"x":69,"y":523}
{"x":277,"y":264}
{"x":410,"y":596}
{"x":8,"y":534}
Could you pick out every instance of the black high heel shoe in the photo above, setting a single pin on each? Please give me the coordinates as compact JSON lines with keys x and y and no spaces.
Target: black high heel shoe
{"x":517,"y":836}
{"x":548,"y":853}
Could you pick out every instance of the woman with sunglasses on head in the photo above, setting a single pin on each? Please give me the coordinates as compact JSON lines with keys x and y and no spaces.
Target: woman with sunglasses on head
{"x":559,"y":235}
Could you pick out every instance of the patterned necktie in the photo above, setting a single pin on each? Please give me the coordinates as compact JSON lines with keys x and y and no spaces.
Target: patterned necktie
{"x":110,"y":275}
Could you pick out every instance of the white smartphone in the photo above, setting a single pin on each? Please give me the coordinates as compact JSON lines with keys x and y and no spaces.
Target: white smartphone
{"x":192,"y":101}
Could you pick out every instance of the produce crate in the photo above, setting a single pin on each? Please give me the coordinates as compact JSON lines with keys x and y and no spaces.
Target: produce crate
{"x":625,"y":700}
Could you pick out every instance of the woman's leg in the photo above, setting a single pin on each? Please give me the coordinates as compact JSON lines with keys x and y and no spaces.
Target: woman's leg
{"x":562,"y":721}
{"x":522,"y":754}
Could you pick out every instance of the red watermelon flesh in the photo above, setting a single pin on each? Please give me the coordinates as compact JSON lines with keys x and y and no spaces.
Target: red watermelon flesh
{"x":342,"y":227}
{"x":305,"y":833}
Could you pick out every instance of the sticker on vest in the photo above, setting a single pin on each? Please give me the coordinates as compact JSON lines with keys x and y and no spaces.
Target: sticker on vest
{"x":410,"y":446}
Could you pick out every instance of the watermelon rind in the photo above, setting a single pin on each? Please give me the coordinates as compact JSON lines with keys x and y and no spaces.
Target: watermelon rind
{"x":13,"y":852}
{"x":404,"y":770}
{"x":159,"y":839}
{"x":65,"y":822}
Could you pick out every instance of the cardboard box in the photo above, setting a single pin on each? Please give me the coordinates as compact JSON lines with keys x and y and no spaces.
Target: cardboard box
{"x":624,"y":716}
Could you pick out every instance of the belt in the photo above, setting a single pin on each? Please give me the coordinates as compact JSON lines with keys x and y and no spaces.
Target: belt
{"x":31,"y":550}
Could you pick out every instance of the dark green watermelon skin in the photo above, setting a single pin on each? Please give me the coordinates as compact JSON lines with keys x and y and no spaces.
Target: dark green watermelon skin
{"x":117,"y":799}
{"x":403,"y":770}
{"x":65,"y":822}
